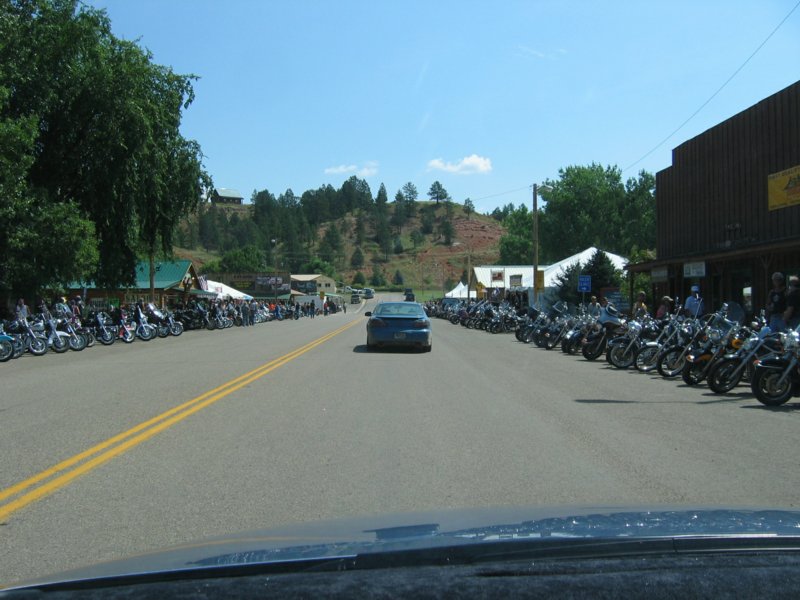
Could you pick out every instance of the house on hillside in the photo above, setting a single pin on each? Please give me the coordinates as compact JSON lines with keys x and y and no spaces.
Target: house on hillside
{"x":226,"y":196}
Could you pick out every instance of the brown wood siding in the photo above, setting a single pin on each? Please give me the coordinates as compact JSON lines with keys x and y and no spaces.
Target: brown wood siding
{"x":714,"y":196}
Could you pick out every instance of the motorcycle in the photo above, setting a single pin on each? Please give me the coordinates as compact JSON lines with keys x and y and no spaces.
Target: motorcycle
{"x":608,"y":324}
{"x":777,"y":379}
{"x":729,"y":371}
{"x":33,"y":342}
{"x":6,"y":346}
{"x":721,"y":336}
{"x":621,"y":351}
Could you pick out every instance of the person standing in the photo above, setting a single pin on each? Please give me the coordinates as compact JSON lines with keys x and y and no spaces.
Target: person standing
{"x":245,"y":308}
{"x":639,"y":307}
{"x":594,"y":307}
{"x":665,"y":308}
{"x":694,"y":306}
{"x":21,"y":310}
{"x":791,"y":315}
{"x":776,"y":303}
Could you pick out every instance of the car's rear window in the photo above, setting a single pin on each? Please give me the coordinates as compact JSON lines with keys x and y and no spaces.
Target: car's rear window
{"x":400,"y":310}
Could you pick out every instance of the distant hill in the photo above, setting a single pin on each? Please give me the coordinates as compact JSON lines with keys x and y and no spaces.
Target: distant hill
{"x":430,"y":265}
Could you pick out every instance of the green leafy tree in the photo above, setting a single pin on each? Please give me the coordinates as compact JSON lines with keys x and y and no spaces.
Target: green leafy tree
{"x":359,"y":279}
{"x":317,"y":265}
{"x":590,"y":206}
{"x":247,"y":259}
{"x":108,"y":139}
{"x":410,"y":197}
{"x":331,"y":244}
{"x":398,"y":246}
{"x":516,"y":245}
{"x":398,"y":278}
{"x":359,"y":231}
{"x":602,"y":272}
{"x":428,"y":220}
{"x":567,"y":284}
{"x":357,"y":259}
{"x":417,"y":238}
{"x":378,"y":278}
{"x":399,"y":213}
{"x":437,"y":192}
{"x":447,"y":231}
{"x":469,"y":207}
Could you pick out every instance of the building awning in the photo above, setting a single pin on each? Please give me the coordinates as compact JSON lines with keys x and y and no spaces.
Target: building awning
{"x":203,"y":293}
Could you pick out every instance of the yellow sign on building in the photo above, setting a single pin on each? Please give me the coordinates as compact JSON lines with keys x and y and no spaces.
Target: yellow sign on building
{"x":783,"y":189}
{"x":539,"y":280}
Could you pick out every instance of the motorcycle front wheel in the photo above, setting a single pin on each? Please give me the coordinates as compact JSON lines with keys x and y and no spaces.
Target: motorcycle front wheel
{"x":77,"y":342}
{"x":723,"y":376}
{"x":6,"y":350}
{"x":670,"y":364}
{"x":692,"y":372}
{"x":622,"y":357}
{"x":767,"y":387}
{"x":176,"y":328}
{"x":646,"y":358}
{"x":38,"y":346}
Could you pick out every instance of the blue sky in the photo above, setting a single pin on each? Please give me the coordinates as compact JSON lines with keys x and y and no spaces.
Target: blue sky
{"x":485,"y":97}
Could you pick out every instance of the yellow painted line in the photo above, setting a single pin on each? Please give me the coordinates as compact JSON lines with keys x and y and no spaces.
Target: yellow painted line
{"x":142,"y":432}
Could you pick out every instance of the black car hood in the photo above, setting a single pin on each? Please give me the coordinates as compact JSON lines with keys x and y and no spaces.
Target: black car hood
{"x":350,"y":538}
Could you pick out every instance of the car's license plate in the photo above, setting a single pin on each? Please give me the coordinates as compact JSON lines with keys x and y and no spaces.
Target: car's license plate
{"x":400,"y":336}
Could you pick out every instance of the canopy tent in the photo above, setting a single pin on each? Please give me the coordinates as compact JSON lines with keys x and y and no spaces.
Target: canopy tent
{"x":223,"y":290}
{"x":552,"y":272}
{"x":460,"y":291}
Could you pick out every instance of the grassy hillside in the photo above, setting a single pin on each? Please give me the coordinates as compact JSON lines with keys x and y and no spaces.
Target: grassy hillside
{"x":432,"y":265}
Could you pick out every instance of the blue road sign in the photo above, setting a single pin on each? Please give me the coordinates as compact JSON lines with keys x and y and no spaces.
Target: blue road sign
{"x":584,"y":283}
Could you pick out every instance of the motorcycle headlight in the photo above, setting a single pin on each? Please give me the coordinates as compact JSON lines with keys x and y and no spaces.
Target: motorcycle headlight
{"x":737,"y":343}
{"x":715,"y":335}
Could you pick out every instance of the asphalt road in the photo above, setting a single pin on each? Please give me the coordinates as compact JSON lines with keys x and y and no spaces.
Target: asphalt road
{"x":321,"y":428}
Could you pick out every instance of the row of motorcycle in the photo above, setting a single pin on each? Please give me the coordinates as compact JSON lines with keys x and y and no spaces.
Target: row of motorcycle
{"x":719,"y":349}
{"x":61,"y":330}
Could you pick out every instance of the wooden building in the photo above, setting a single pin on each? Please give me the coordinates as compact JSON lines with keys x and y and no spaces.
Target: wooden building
{"x":226,"y":196}
{"x":728,"y":209}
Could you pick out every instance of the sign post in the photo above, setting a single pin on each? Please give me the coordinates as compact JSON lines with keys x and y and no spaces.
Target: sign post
{"x":584,"y":286}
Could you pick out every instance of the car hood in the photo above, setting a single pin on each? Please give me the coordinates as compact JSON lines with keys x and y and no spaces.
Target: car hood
{"x":409,"y":532}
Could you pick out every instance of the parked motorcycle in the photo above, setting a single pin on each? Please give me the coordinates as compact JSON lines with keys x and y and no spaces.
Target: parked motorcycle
{"x":777,"y":379}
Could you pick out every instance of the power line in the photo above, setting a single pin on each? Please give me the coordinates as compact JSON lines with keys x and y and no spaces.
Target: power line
{"x":501,"y":193}
{"x":727,"y":81}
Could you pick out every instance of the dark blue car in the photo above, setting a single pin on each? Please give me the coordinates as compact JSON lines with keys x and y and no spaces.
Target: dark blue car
{"x":399,"y":324}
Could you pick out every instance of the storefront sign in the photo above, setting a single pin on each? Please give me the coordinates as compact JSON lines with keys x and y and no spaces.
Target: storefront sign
{"x":497,"y":276}
{"x":783,"y":189}
{"x":515,"y":280}
{"x":695,"y":269}
{"x":658,"y":274}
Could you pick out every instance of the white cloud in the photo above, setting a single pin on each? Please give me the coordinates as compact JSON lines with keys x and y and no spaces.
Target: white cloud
{"x":369,"y":169}
{"x":527,"y":50}
{"x":468,"y":165}
{"x":340,"y":169}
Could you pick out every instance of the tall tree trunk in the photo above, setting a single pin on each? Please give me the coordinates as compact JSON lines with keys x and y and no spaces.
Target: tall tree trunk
{"x":152,"y":277}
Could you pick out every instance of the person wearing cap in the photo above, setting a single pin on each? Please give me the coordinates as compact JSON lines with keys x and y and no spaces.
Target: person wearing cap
{"x":665,"y":308}
{"x":694,"y":307}
{"x":776,"y":304}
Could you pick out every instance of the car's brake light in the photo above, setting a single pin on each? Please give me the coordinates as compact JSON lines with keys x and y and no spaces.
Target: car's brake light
{"x":377,"y":323}
{"x":420,"y":324}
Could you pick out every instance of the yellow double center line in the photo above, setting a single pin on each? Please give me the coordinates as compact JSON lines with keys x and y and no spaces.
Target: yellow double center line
{"x":62,"y":474}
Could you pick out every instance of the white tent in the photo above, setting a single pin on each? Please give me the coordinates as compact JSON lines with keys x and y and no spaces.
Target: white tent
{"x":552,"y":272}
{"x":460,"y":291}
{"x":223,"y":290}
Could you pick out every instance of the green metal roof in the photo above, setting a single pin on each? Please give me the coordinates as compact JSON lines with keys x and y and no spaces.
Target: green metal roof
{"x":168,"y":274}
